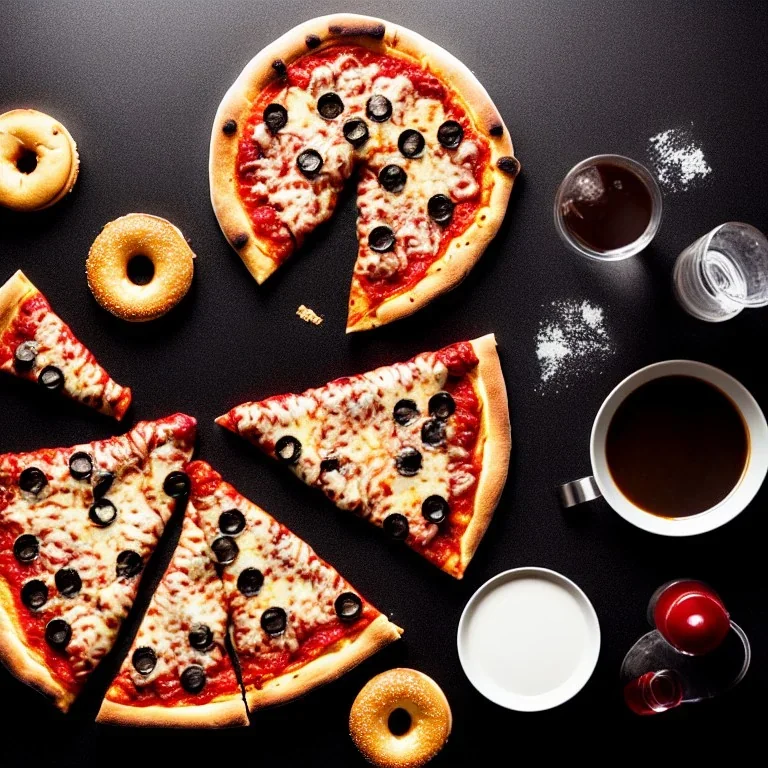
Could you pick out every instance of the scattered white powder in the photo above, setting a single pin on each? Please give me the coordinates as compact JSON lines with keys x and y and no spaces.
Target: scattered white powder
{"x":571,"y":343}
{"x":678,"y":159}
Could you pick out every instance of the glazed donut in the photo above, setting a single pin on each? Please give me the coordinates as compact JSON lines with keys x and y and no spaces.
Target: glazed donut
{"x":423,"y":702}
{"x":38,"y":160}
{"x":112,"y":254}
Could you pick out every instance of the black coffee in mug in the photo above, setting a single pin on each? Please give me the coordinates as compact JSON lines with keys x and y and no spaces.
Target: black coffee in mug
{"x":677,"y":446}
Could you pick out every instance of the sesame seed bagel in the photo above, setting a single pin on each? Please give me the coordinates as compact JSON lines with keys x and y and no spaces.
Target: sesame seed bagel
{"x":425,"y":703}
{"x":38,"y":160}
{"x":139,"y":234}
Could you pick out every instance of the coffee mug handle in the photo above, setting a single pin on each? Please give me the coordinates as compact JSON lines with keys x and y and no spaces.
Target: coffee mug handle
{"x":578,"y":491}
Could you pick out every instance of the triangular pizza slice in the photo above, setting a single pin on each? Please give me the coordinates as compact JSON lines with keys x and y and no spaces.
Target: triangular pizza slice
{"x":77,"y":526}
{"x":177,"y":672}
{"x":419,"y":448}
{"x":296,"y":622}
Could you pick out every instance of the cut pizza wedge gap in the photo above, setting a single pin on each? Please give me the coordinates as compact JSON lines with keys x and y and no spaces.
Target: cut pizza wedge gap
{"x":419,"y":448}
{"x":343,"y":93}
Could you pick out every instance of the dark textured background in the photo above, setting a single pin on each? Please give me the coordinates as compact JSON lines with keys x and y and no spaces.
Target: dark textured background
{"x":137,"y":84}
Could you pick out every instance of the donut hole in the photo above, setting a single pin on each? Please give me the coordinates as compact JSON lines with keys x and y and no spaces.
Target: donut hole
{"x":140,"y":269}
{"x":26,"y":161}
{"x":399,"y":722}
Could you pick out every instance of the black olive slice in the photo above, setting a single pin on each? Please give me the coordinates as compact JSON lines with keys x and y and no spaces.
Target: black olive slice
{"x":440,"y":208}
{"x":58,"y":634}
{"x":442,"y":405}
{"x":129,"y":563}
{"x":275,"y":117}
{"x":200,"y":637}
{"x":330,"y":465}
{"x":274,"y":621}
{"x":26,"y":548}
{"x":348,"y":606}
{"x":102,"y":482}
{"x":408,"y":462}
{"x":450,"y":134}
{"x":193,"y":679}
{"x":381,"y":239}
{"x":68,"y":582}
{"x":250,"y":581}
{"x":509,"y":164}
{"x":396,"y":526}
{"x":433,"y":432}
{"x":177,"y":484}
{"x":229,"y":127}
{"x":144,"y":660}
{"x":312,"y":41}
{"x":330,"y":106}
{"x":24,"y":356}
{"x":51,"y":378}
{"x":393,"y":178}
{"x":80,"y":465}
{"x":288,"y":449}
{"x":278,"y":65}
{"x":410,"y":143}
{"x":34,"y":594}
{"x":309,"y":162}
{"x":356,"y":132}
{"x":405,"y":412}
{"x":378,"y":108}
{"x":231,"y":521}
{"x":226,"y":550}
{"x":32,"y":480}
{"x":435,"y":509}
{"x":102,"y":513}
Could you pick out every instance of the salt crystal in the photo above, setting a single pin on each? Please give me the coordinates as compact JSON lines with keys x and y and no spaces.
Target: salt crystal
{"x":678,"y":159}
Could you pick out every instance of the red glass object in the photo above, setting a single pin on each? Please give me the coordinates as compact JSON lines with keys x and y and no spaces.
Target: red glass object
{"x":690,"y":616}
{"x":654,"y":692}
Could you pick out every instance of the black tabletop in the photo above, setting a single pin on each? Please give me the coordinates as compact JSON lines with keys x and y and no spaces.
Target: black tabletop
{"x":138,"y":83}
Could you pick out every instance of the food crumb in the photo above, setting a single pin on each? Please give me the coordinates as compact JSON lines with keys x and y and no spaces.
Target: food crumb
{"x":308,"y":316}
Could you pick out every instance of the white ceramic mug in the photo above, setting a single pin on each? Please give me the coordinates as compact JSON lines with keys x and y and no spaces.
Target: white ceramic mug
{"x":601,"y":482}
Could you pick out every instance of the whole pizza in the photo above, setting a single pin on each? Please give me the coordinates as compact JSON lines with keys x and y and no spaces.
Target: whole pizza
{"x":347,"y":95}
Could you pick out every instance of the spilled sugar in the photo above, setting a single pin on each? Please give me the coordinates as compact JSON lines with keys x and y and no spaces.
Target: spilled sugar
{"x":677,"y":159}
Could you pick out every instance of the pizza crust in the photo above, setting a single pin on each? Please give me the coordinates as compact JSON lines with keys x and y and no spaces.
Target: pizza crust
{"x":13,"y":293}
{"x":224,"y":713}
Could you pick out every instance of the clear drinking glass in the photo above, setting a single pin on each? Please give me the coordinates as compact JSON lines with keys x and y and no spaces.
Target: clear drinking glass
{"x":723,"y":272}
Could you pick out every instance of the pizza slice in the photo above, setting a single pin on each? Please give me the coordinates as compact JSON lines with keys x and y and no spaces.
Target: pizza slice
{"x":177,"y":672}
{"x":77,"y":526}
{"x":343,"y":94}
{"x":420,"y":448}
{"x":296,"y":623}
{"x":36,"y":344}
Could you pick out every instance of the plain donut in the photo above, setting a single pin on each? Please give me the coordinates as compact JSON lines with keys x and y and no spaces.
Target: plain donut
{"x":57,"y":162}
{"x":421,"y":698}
{"x":112,"y":250}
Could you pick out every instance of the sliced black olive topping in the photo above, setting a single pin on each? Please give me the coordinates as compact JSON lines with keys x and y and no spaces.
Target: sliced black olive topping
{"x":279,"y":66}
{"x":381,"y":239}
{"x":330,"y":465}
{"x":440,"y":208}
{"x":510,"y":165}
{"x":312,"y":41}
{"x":433,"y":432}
{"x":144,"y":660}
{"x":129,"y":563}
{"x":80,"y":465}
{"x":405,"y":412}
{"x":200,"y":637}
{"x":34,"y":594}
{"x":408,"y":462}
{"x":102,"y":513}
{"x":177,"y":484}
{"x":68,"y":582}
{"x":442,"y":405}
{"x":24,"y":356}
{"x":231,"y":522}
{"x":497,"y":129}
{"x":250,"y":581}
{"x":410,"y":143}
{"x":102,"y":482}
{"x":348,"y":606}
{"x":51,"y":378}
{"x":396,"y":526}
{"x":330,"y":106}
{"x":309,"y":162}
{"x":239,"y":240}
{"x":275,"y":117}
{"x":193,"y":679}
{"x":26,"y":548}
{"x":450,"y":134}
{"x":435,"y":509}
{"x":226,"y":550}
{"x":32,"y":480}
{"x":356,"y":132}
{"x":58,"y":633}
{"x":393,"y":178}
{"x":274,"y":621}
{"x":229,"y":127}
{"x":378,"y":108}
{"x":288,"y":449}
